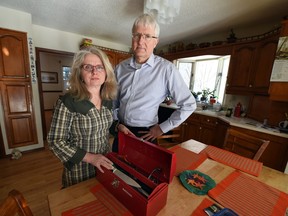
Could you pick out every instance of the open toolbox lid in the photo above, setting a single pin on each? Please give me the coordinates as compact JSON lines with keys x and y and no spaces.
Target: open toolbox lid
{"x":148,"y":156}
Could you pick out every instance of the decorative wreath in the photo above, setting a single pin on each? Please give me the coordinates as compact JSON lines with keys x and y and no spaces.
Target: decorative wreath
{"x":197,"y":182}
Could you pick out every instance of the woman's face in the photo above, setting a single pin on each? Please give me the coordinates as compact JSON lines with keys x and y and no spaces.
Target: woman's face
{"x":92,"y":71}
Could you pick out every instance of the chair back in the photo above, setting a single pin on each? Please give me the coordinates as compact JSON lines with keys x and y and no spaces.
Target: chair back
{"x":244,"y":144}
{"x":171,"y":138}
{"x":15,"y":204}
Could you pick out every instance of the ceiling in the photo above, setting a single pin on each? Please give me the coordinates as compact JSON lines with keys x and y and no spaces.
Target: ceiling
{"x":112,"y":20}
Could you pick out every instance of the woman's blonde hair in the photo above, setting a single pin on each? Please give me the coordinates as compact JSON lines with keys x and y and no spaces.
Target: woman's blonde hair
{"x":78,"y":88}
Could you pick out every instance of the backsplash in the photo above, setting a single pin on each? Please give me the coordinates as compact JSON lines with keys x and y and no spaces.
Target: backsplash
{"x":258,"y":107}
{"x":230,"y":101}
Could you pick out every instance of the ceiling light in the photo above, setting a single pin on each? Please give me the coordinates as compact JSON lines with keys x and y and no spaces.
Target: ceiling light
{"x":163,"y":10}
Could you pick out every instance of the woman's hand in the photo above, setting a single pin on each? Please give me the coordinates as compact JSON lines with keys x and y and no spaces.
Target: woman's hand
{"x":124,"y":129}
{"x":98,"y":160}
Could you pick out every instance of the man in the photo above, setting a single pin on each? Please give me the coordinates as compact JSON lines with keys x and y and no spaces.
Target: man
{"x":145,"y":80}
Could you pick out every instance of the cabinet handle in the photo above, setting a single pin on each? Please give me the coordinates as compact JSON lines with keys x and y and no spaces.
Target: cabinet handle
{"x":200,"y":128}
{"x":250,"y":86}
{"x":208,"y":120}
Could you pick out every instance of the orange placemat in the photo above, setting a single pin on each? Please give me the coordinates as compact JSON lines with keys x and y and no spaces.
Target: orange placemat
{"x":199,"y":211}
{"x":186,"y":160}
{"x":94,"y":208}
{"x":105,"y":205}
{"x":116,"y":207}
{"x":248,"y":196}
{"x":236,"y":161}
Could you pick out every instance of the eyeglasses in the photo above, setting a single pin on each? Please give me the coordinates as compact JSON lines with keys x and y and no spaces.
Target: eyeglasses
{"x":91,"y":68}
{"x":146,"y":37}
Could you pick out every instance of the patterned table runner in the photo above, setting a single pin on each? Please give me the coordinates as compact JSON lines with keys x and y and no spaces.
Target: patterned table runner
{"x":248,"y":196}
{"x":236,"y":161}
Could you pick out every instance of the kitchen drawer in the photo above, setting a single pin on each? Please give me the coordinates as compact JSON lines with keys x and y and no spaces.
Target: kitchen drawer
{"x":194,"y":118}
{"x":208,"y":120}
{"x":202,"y":119}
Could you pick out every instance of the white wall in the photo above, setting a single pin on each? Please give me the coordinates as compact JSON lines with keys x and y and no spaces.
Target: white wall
{"x":66,"y":41}
{"x":43,"y":38}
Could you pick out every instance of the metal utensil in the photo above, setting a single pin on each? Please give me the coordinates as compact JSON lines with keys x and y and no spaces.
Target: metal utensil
{"x":128,"y":180}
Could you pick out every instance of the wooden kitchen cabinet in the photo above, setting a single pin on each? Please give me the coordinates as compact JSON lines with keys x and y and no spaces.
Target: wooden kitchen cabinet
{"x":266,"y":52}
{"x":240,"y":67}
{"x":251,"y":66}
{"x":16,"y":91}
{"x":18,"y":113}
{"x":221,"y":130}
{"x":201,"y":128}
{"x":278,"y":90}
{"x":115,"y":56}
{"x":14,"y":55}
{"x":276,"y":154}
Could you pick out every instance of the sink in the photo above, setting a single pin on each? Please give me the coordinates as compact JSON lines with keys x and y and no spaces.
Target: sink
{"x":252,"y":123}
{"x":267,"y":127}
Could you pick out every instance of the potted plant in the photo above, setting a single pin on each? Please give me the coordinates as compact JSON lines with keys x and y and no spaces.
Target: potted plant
{"x":206,"y":93}
{"x":196,"y":94}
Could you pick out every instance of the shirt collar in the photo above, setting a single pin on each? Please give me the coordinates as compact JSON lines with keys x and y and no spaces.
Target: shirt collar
{"x":149,"y":62}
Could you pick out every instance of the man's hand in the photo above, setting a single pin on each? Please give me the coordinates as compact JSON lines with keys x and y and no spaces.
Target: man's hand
{"x":152,"y":134}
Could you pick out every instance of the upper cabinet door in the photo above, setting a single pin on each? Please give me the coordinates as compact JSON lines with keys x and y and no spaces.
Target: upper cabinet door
{"x":240,"y":69}
{"x":251,"y":66}
{"x":263,"y":65}
{"x":13,"y":55}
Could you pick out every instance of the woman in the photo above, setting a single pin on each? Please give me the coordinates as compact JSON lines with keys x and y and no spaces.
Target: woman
{"x":79,"y":133}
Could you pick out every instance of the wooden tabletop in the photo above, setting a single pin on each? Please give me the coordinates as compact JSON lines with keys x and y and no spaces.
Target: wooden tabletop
{"x":179,"y":202}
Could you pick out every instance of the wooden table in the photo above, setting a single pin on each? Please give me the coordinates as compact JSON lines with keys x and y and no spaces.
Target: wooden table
{"x":179,"y":202}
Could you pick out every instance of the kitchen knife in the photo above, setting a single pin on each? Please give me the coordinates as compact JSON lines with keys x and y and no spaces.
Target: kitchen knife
{"x":125,"y":178}
{"x":128,"y":180}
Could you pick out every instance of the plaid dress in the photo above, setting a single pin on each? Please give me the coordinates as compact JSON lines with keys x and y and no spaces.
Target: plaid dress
{"x":78,"y":127}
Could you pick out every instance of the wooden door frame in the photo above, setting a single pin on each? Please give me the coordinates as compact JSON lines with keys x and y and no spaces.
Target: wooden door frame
{"x":39,"y":50}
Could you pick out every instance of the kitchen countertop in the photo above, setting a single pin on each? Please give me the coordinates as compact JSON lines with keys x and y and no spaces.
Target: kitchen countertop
{"x":242,"y":122}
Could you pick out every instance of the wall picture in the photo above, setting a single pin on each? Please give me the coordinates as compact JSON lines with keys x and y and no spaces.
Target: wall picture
{"x":49,"y":77}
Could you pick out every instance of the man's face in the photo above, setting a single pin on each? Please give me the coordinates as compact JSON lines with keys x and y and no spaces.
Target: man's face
{"x":144,"y":41}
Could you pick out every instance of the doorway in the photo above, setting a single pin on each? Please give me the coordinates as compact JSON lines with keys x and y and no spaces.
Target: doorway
{"x":51,"y":82}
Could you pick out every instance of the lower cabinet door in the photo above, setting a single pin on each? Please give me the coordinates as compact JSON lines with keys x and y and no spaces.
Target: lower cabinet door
{"x":18,"y":113}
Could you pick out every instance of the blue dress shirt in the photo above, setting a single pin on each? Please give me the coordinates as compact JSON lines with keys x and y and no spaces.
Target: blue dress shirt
{"x":142,"y":90}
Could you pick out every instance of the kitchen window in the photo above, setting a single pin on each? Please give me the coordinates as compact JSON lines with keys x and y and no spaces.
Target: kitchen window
{"x":205,"y":72}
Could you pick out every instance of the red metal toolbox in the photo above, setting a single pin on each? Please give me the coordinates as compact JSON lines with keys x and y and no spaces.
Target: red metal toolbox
{"x":152,"y":167}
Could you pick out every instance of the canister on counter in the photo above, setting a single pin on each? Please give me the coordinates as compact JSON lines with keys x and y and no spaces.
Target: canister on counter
{"x":229,"y":112}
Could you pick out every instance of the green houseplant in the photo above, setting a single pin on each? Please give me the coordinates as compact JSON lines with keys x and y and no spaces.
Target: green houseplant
{"x":196,"y":94}
{"x":206,"y":93}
